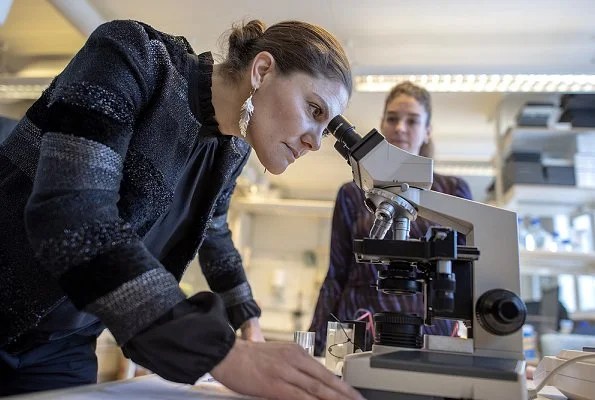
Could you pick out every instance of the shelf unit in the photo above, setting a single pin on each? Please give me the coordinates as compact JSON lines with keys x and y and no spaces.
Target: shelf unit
{"x":291,"y":207}
{"x":546,"y":200}
{"x":558,"y":140}
{"x":556,"y":263}
{"x":539,"y":199}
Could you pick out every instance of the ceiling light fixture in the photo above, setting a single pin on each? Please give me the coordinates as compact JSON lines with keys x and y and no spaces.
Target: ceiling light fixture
{"x":529,"y":83}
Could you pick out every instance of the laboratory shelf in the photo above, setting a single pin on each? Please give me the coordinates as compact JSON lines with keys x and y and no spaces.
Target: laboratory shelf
{"x":292,"y":207}
{"x":546,"y":200}
{"x":555,"y":263}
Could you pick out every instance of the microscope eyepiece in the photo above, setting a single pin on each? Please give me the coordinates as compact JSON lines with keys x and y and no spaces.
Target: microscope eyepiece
{"x":343,"y":131}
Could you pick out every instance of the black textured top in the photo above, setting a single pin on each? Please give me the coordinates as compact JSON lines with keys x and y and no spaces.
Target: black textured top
{"x":112,"y":182}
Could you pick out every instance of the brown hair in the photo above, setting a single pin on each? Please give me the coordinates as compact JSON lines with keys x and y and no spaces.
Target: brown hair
{"x":423,"y":97}
{"x":296,"y":47}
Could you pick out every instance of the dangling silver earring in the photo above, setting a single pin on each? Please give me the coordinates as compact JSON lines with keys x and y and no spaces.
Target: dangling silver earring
{"x":245,"y":114}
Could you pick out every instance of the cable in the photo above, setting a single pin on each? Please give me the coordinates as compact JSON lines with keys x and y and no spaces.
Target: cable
{"x":533,"y":392}
{"x":370,"y":323}
{"x":355,"y":346}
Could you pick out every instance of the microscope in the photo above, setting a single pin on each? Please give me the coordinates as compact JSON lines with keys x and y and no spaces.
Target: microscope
{"x":476,"y":283}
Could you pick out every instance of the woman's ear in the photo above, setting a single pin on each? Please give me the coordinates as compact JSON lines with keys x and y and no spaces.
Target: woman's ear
{"x":262,"y":65}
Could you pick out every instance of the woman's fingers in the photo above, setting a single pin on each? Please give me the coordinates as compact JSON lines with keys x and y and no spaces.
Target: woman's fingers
{"x":285,"y":390}
{"x":314,"y":387}
{"x":320,"y":379}
{"x":279,"y":371}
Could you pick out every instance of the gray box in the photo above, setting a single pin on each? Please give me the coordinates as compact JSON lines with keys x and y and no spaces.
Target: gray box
{"x":560,"y":175}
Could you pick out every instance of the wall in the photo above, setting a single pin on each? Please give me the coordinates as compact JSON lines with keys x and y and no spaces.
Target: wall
{"x":14,"y":109}
{"x":286,"y":261}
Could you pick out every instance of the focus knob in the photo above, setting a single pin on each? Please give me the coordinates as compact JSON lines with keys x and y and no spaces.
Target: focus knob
{"x":500,"y":312}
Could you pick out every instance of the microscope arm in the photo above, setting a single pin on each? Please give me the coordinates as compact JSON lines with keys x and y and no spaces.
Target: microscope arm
{"x":494,"y":231}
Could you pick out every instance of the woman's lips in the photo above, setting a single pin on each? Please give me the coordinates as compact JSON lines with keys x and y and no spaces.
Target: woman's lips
{"x":294,"y":153}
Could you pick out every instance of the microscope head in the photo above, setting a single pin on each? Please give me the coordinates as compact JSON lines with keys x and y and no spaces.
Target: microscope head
{"x":375,"y":163}
{"x":384,"y":172}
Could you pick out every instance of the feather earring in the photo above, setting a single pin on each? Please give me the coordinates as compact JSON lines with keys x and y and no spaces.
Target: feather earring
{"x":245,"y":114}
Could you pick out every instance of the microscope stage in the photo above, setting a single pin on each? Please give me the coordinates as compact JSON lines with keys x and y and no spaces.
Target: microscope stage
{"x":447,"y":364}
{"x":427,"y":375}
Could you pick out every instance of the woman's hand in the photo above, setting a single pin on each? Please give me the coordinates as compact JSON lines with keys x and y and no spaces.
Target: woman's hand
{"x":279,"y":371}
{"x":251,"y":330}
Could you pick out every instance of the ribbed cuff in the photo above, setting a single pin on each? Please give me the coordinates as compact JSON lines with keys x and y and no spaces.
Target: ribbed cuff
{"x":185,"y":343}
{"x":241,"y":313}
{"x":238,"y":295}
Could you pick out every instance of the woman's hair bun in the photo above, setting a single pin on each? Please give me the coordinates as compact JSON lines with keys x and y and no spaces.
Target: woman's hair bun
{"x":243,"y":35}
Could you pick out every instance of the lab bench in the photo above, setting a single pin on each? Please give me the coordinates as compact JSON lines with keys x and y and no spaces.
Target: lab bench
{"x":152,"y":387}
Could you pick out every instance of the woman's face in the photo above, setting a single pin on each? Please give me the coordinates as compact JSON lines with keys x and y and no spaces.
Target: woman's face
{"x":405,"y":123}
{"x":290,"y":115}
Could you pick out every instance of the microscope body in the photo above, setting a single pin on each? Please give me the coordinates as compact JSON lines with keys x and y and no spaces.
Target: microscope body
{"x":477,"y":283}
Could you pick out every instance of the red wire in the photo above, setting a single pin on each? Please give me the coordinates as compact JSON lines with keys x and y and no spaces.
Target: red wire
{"x":370,"y":323}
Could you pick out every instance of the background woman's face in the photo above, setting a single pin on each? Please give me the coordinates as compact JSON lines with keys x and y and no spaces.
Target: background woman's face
{"x":290,"y":115}
{"x":405,"y":123}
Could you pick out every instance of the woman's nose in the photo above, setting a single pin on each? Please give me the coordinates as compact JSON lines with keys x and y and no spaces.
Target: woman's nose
{"x":400,"y":127}
{"x":312,"y":141}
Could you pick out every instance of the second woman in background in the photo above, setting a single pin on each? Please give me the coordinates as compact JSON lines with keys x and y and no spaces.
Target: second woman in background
{"x":347,"y":289}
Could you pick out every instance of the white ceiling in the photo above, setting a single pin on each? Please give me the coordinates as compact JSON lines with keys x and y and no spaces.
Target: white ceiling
{"x":387,"y":36}
{"x":402,"y":35}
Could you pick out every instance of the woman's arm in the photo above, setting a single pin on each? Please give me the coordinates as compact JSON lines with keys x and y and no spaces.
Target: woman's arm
{"x":87,"y":118}
{"x":462,"y":189}
{"x":72,"y":216}
{"x":341,"y":256}
{"x":222,"y":266}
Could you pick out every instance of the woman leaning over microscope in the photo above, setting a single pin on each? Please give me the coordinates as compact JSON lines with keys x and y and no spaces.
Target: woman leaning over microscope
{"x":122,"y":172}
{"x":347,"y":291}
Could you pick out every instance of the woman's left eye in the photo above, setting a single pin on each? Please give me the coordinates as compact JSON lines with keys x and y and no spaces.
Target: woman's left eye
{"x":316,"y":111}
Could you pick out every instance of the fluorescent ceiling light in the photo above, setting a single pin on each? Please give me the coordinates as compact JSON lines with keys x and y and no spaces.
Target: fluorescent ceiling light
{"x":463,"y":167}
{"x":481,"y":83}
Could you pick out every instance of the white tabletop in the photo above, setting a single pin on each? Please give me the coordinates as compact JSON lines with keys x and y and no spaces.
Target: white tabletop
{"x":153,"y":387}
{"x":147,"y":387}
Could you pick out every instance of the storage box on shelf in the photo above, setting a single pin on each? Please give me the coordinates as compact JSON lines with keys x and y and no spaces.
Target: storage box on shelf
{"x":548,"y":140}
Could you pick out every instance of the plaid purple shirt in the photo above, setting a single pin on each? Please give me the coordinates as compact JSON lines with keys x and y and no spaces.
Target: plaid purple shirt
{"x":346,"y":288}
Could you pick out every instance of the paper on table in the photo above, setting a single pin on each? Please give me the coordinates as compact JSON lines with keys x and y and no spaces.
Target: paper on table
{"x":209,"y":385}
{"x":149,"y":387}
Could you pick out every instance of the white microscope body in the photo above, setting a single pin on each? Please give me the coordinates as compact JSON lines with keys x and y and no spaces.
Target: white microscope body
{"x":489,"y":363}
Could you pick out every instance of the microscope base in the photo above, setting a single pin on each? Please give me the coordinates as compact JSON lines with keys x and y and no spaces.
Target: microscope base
{"x":424,"y":375}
